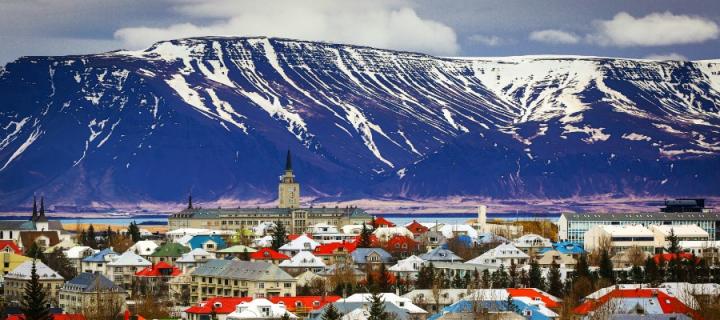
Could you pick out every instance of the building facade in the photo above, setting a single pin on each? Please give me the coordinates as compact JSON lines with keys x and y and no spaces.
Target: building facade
{"x":240,"y":279}
{"x":288,"y":211}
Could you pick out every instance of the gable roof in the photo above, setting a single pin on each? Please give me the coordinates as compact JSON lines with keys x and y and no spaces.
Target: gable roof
{"x":536,"y":294}
{"x":329,"y":248}
{"x":381,"y":221}
{"x":28,"y":237}
{"x":667,"y":303}
{"x":506,"y":250}
{"x":440,"y":254}
{"x":237,"y":249}
{"x":199,"y":240}
{"x":23,"y":271}
{"x":91,"y":282}
{"x":10,"y":246}
{"x":129,"y":258}
{"x":360,"y":255}
{"x":170,"y":249}
{"x":99,"y":256}
{"x":222,"y":305}
{"x":416,"y":227}
{"x":303,"y":259}
{"x":268,"y":254}
{"x":302,"y":242}
{"x":242,"y":270}
{"x":156,"y":270}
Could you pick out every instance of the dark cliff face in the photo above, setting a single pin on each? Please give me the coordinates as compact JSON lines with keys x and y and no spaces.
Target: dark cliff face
{"x":215,"y":116}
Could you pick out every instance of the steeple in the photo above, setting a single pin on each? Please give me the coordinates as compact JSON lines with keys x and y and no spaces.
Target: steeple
{"x":288,"y":162}
{"x":190,"y":201}
{"x":35,"y":210}
{"x":41,"y":217}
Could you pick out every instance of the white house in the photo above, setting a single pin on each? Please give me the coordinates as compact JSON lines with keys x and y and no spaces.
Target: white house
{"x":453,"y":230}
{"x":260,"y":309}
{"x":122,"y":268}
{"x":193,"y":258}
{"x":532,"y":243}
{"x":144,"y":247}
{"x":77,"y":253}
{"x":301,"y":243}
{"x":301,"y":262}
{"x":504,"y":254}
{"x":408,"y":267}
{"x":385,"y":233}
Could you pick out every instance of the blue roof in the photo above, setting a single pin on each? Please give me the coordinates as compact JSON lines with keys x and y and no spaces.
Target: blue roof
{"x":567,"y":247}
{"x":464,"y":239}
{"x":489,"y":237}
{"x":91,"y":282}
{"x":360,"y":254}
{"x":99,"y":256}
{"x":197,"y":241}
{"x":494,"y":305}
{"x":440,"y":254}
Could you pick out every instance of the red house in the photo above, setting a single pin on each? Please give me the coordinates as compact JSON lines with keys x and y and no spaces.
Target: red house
{"x":416,"y":228}
{"x":267,"y":254}
{"x":222,"y":306}
{"x":668,"y":303}
{"x":334,"y":252}
{"x":9,"y":246}
{"x":402,"y":246}
{"x":381,"y":222}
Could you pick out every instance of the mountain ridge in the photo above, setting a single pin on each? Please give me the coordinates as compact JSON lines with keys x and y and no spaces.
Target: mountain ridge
{"x":363,"y":122}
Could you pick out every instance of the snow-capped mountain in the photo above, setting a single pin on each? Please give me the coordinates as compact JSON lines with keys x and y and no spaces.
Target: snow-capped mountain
{"x":215,"y":116}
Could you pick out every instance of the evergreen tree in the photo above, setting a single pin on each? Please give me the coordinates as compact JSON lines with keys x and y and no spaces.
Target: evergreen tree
{"x":134,"y":232}
{"x":535,"y":276}
{"x":524,"y":279}
{"x":57,"y":261}
{"x":486,"y":282}
{"x":373,"y":222}
{"x":673,"y":242}
{"x":606,"y":267}
{"x":365,"y":237}
{"x":331,"y":313}
{"x":582,"y":268}
{"x":652,"y":274}
{"x":636,"y":274}
{"x":279,"y":237}
{"x":90,"y":240}
{"x":35,"y":301}
{"x":555,"y":285}
{"x":35,"y":252}
{"x":513,"y":275}
{"x":245,"y":255}
{"x":458,"y":282}
{"x":285,"y":316}
{"x":377,"y":308}
{"x":426,"y":276}
{"x":384,"y":279}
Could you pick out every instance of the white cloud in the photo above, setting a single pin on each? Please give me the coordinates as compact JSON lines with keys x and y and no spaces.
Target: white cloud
{"x":381,"y":24}
{"x":667,"y":56}
{"x":554,"y":36}
{"x":490,"y":41}
{"x":655,"y":29}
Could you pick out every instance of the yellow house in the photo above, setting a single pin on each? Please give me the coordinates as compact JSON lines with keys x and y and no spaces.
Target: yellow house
{"x":11,"y":261}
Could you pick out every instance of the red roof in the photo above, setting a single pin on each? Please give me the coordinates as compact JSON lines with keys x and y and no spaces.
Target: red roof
{"x":268,"y":254}
{"x":382,"y":222}
{"x":223,"y":305}
{"x":4,"y":244}
{"x":328,"y":248}
{"x":156,"y":270}
{"x":304,"y":303}
{"x":54,"y":316}
{"x":672,"y":256}
{"x":533,"y":293}
{"x":397,"y":241}
{"x":417,"y":228}
{"x":668,"y":303}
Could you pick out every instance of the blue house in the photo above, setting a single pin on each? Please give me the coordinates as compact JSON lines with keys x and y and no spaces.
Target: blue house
{"x":525,"y":307}
{"x":209,"y":243}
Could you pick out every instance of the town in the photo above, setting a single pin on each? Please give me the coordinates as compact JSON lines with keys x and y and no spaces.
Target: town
{"x":341,"y":263}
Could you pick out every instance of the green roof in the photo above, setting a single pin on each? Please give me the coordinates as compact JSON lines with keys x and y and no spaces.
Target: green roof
{"x":170,"y":250}
{"x":238,"y":249}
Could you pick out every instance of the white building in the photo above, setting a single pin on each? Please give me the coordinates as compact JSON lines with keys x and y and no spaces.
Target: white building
{"x":77,"y":253}
{"x":619,"y":237}
{"x":685,"y":232}
{"x":504,"y":254}
{"x":453,"y":230}
{"x":144,"y":247}
{"x":532,"y":243}
{"x":408,"y":267}
{"x":123,"y":267}
{"x":177,"y":234}
{"x":192,"y":259}
{"x":385,"y":233}
{"x":260,"y":308}
{"x":301,"y":243}
{"x":301,"y":262}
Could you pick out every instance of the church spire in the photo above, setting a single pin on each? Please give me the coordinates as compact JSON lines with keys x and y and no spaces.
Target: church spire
{"x":288,"y":162}
{"x":190,"y":201}
{"x":42,"y":208}
{"x":35,"y":209}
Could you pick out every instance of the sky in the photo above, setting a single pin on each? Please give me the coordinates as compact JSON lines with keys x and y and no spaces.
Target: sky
{"x":653,"y":29}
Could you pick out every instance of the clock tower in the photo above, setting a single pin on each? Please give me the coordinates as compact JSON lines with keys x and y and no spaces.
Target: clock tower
{"x":288,"y":189}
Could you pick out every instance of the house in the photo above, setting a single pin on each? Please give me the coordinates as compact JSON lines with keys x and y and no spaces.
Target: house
{"x":209,"y":243}
{"x":144,"y":248}
{"x":440,"y":254}
{"x":566,"y":247}
{"x":416,"y":228}
{"x":262,"y":242}
{"x":619,"y":238}
{"x":354,"y":229}
{"x":77,"y":253}
{"x":97,"y":262}
{"x":17,"y":279}
{"x":11,"y":261}
{"x":531,"y":244}
{"x":384,"y":234}
{"x":301,"y":243}
{"x":84,"y":293}
{"x":432,"y":239}
{"x":433,"y":301}
{"x":381,"y":222}
{"x":402,"y":246}
{"x":504,"y":254}
{"x":522,"y":308}
{"x":192,"y":259}
{"x":236,"y":251}
{"x":169,"y":252}
{"x":240,"y":278}
{"x":8,"y":246}
{"x":401,"y":308}
{"x":220,"y":307}
{"x":335,"y":252}
{"x":260,"y":308}
{"x":43,"y":239}
{"x":644,"y":301}
{"x":303,"y":305}
{"x":546,"y":259}
{"x":408,"y":267}
{"x":268,"y":255}
{"x":123,"y":267}
{"x":301,"y":262}
{"x":155,"y":279}
{"x":453,"y":230}
{"x":338,"y":268}
{"x":370,"y":258}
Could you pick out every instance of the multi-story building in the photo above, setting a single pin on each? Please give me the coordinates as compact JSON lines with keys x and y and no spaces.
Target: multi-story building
{"x":618,"y":238}
{"x":11,"y":261}
{"x":238,"y":278}
{"x":92,"y":294}
{"x":288,"y":211}
{"x":16,"y":281}
{"x":686,"y":233}
{"x":123,"y":267}
{"x":572,"y":226}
